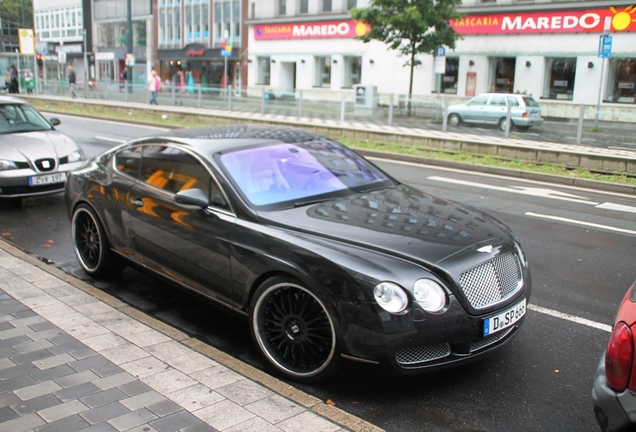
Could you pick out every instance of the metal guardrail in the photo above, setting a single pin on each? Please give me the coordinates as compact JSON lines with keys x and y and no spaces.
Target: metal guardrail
{"x":568,"y":123}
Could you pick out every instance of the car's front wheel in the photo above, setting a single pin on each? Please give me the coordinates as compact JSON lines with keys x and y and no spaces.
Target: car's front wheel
{"x":503,"y":124}
{"x":293,"y":330}
{"x":91,"y":245}
{"x":454,"y":120}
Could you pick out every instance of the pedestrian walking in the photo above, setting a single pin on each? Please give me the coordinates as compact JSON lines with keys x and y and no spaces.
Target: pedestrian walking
{"x":154,"y":84}
{"x":15,"y":87}
{"x":124,"y":78}
{"x":7,"y":79}
{"x":29,"y":81}
{"x":71,"y":81}
{"x":179,"y":86}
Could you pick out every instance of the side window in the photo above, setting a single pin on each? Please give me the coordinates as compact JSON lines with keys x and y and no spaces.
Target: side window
{"x":478,"y":101}
{"x":173,"y":170}
{"x":128,"y":160}
{"x":498,"y":101}
{"x":513,"y":101}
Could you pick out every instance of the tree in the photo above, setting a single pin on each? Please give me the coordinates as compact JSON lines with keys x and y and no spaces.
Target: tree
{"x":16,"y":11}
{"x":411,"y":27}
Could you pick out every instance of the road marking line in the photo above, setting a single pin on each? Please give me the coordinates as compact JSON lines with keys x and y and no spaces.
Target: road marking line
{"x":578,"y":222}
{"x":115,"y":140}
{"x":572,"y":318}
{"x":618,"y":207}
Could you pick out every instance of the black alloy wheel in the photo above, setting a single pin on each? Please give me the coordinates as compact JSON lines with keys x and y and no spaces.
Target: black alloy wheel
{"x":90,"y":244}
{"x":293,"y":331}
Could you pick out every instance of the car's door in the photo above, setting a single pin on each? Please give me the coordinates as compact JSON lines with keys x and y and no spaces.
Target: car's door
{"x":186,"y":243}
{"x":474,"y":109}
{"x":496,"y":109}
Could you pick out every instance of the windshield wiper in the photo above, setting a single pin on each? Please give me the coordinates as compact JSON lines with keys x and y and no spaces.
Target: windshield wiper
{"x":311,"y":202}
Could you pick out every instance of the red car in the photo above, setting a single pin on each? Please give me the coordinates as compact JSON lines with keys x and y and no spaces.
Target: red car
{"x":614,"y":391}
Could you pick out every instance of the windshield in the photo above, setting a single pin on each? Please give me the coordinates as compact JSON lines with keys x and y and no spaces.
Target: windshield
{"x":21,"y":118}
{"x":300,"y":172}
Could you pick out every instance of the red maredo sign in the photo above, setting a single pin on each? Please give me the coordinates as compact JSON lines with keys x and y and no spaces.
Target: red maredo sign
{"x":571,"y":21}
{"x":311,"y":30}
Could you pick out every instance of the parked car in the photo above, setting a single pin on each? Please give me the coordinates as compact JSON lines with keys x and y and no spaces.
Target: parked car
{"x":491,"y":108}
{"x":34,"y":157}
{"x":326,"y":255}
{"x":614,"y":390}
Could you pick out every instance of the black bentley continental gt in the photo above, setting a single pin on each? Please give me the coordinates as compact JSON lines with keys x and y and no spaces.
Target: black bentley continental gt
{"x":326,"y":255}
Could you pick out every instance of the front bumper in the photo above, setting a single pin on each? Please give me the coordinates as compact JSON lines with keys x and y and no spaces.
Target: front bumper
{"x":610,"y":407}
{"x":15,"y":183}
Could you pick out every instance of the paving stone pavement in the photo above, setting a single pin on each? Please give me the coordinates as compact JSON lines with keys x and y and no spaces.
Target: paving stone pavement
{"x":69,"y":361}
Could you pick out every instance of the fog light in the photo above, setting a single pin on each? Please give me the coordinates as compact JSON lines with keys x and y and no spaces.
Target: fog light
{"x":429,"y":295}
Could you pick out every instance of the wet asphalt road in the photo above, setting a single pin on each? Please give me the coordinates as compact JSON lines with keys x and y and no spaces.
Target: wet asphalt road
{"x":541,"y":381}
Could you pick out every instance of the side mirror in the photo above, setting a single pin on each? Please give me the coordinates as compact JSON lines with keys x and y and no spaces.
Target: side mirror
{"x":55,"y":121}
{"x":193,"y":197}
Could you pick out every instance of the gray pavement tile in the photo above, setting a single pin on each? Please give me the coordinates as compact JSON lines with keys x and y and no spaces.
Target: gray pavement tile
{"x":77,"y":378}
{"x":130,"y":420}
{"x":244,"y":392}
{"x":5,"y":325}
{"x":89,"y":363}
{"x":164,"y":408}
{"x":134,"y":388}
{"x":53,"y":373}
{"x":61,"y":338}
{"x":51,"y":362}
{"x":5,"y":316}
{"x":275,"y":408}
{"x":66,"y":409}
{"x":107,"y":369}
{"x":174,"y":422}
{"x":71,"y":423}
{"x":12,"y":307}
{"x":28,"y":321}
{"x":32,"y":345}
{"x":67,"y":347}
{"x":100,"y":427}
{"x":41,"y":326}
{"x":6,"y":414}
{"x":199,"y":427}
{"x":36,"y":390}
{"x":8,"y":398}
{"x":7,"y":352}
{"x":16,"y":371}
{"x":36,"y":404}
{"x":17,"y":383}
{"x":22,"y":424}
{"x":224,"y":415}
{"x":255,"y":424}
{"x":25,"y":313}
{"x":104,"y":413}
{"x":16,"y":340}
{"x":142,"y":428}
{"x":77,"y":392}
{"x":31,"y":356}
{"x":103,"y":398}
{"x":142,"y":400}
{"x":308,"y":421}
{"x":54,"y":335}
{"x":5,"y":363}
{"x":114,"y":380}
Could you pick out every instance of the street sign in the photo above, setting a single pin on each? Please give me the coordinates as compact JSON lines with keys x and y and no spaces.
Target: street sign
{"x":605,"y":46}
{"x":440,"y":52}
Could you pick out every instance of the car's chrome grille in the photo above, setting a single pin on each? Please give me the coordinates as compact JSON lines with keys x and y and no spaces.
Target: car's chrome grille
{"x":489,"y":340}
{"x":45,"y":164}
{"x":421,"y":354}
{"x":493,"y":281}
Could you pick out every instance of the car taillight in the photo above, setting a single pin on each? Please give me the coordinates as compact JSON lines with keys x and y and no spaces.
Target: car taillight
{"x":619,"y":357}
{"x":525,"y":114}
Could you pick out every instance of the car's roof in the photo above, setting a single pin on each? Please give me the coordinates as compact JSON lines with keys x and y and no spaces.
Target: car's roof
{"x":505,"y":94}
{"x":11,"y":100}
{"x":222,"y":138}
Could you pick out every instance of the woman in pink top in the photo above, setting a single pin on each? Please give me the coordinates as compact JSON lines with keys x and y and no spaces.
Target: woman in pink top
{"x":154,"y":83}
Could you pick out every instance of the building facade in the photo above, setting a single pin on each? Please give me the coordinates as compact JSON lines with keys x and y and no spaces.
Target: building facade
{"x":547,"y":49}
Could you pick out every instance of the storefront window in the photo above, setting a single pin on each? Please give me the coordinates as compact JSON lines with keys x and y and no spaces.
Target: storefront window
{"x":622,"y":81}
{"x":560,"y":78}
{"x":323,"y":72}
{"x":503,"y":75}
{"x":449,"y":79}
{"x":263,"y":71}
{"x":353,"y":71}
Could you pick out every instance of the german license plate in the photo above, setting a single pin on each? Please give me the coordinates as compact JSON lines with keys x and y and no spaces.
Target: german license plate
{"x":504,"y":319}
{"x":47,"y":179}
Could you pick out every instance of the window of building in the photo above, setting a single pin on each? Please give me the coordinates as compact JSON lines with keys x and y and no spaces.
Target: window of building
{"x":323,"y":72}
{"x":560,"y":78}
{"x":353,"y":71}
{"x":227,"y":22}
{"x":60,"y":23}
{"x":170,"y":26}
{"x":351,"y":4}
{"x":326,"y":5}
{"x":503,"y":75}
{"x":449,"y":78}
{"x":263,"y":71}
{"x":304,"y":6}
{"x":282,"y":7}
{"x":621,"y":83}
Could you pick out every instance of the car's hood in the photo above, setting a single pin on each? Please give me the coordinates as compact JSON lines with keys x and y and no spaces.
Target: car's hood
{"x":29,"y":146}
{"x":401,"y":221}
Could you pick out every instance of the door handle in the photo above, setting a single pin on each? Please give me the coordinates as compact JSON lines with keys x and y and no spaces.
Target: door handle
{"x":136,"y":202}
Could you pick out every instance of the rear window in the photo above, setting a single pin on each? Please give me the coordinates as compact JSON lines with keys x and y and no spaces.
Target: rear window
{"x":530,"y":102}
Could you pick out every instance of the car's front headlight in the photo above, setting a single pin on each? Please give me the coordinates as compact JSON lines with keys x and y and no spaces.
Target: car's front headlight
{"x":391,"y":297}
{"x":429,"y":295}
{"x":6,"y":165}
{"x":75,"y":156}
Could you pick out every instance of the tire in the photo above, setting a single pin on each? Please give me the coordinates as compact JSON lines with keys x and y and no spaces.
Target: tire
{"x":502,"y":124}
{"x":91,"y":245}
{"x":454,"y":120}
{"x":293,"y":331}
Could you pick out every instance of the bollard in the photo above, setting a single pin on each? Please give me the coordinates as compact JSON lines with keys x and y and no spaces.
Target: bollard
{"x":579,"y":128}
{"x":391,"y":109}
{"x":342,"y":107}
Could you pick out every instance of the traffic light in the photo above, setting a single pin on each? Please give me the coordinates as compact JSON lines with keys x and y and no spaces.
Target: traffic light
{"x":223,"y":45}
{"x":38,"y":57}
{"x":91,"y":58}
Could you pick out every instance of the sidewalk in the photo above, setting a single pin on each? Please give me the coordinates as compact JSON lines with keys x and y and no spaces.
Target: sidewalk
{"x":73,"y":358}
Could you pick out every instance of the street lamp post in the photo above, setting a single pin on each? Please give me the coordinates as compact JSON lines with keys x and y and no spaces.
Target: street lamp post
{"x":129,"y":42}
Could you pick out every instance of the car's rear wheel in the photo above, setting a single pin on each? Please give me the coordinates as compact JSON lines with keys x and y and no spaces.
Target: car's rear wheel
{"x":293,"y":330}
{"x":91,"y":245}
{"x":454,"y":120}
